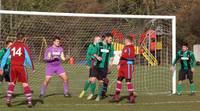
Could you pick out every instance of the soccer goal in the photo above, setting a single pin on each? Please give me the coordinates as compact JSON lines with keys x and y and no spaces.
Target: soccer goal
{"x":154,"y":40}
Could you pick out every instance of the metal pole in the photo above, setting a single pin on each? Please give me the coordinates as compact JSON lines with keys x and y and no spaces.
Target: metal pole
{"x":149,"y":48}
{"x":174,"y":53}
{"x":0,"y":22}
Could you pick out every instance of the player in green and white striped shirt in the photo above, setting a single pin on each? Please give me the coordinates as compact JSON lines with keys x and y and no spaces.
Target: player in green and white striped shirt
{"x":187,"y":62}
{"x":91,"y":63}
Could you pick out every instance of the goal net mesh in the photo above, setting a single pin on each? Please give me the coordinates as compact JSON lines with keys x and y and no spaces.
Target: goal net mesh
{"x":151,"y":67}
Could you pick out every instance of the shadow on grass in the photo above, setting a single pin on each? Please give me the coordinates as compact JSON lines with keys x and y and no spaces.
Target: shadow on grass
{"x":34,"y":102}
{"x":54,"y":94}
{"x":124,"y":97}
{"x":14,"y":95}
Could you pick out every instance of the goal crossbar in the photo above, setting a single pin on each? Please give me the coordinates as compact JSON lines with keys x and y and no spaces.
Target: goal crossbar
{"x":86,"y":15}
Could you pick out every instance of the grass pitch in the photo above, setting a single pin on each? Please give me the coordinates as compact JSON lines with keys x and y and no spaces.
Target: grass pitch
{"x":147,"y":84}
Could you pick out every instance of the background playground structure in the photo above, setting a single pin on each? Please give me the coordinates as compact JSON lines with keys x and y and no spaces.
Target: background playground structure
{"x":147,"y":45}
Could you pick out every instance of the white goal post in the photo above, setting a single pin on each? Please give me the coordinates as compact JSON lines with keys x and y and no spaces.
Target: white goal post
{"x":172,"y":18}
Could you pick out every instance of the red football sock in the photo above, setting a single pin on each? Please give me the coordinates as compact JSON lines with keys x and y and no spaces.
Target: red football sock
{"x":130,"y":88}
{"x":118,"y":88}
{"x":10,"y":91}
{"x":28,"y":94}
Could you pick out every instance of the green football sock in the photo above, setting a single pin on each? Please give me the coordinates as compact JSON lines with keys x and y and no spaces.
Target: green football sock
{"x":86,"y":86}
{"x":100,"y":88}
{"x":191,"y":88}
{"x":179,"y":88}
{"x":92,"y":88}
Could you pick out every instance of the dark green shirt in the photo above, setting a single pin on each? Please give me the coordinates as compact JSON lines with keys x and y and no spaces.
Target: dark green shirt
{"x":187,"y":59}
{"x":2,"y":52}
{"x":106,"y":51}
{"x":90,"y":55}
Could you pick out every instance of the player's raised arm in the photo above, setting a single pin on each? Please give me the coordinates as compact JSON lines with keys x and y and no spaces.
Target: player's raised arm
{"x":28,"y":58}
{"x":96,"y":52}
{"x":47,"y":55}
{"x":5,"y":57}
{"x":112,"y":54}
{"x":111,"y":59}
{"x":62,"y":56}
{"x":89,"y":54}
{"x":177,"y":58}
{"x":193,"y":61}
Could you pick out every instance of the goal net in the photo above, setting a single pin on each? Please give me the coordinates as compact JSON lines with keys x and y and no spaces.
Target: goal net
{"x":154,"y":44}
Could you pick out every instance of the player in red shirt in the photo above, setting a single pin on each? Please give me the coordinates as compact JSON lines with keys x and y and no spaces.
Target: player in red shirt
{"x":20,"y":55}
{"x":125,"y":71}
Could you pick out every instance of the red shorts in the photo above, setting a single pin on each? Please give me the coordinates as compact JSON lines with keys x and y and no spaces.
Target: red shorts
{"x":18,"y":73}
{"x":126,"y":71}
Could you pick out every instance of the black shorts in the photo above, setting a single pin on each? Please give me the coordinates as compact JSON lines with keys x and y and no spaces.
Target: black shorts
{"x":185,"y":74}
{"x":101,"y":73}
{"x":6,"y":76}
{"x":93,"y":72}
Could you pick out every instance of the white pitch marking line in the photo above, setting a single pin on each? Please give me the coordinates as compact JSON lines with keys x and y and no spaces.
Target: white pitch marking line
{"x":154,"y":103}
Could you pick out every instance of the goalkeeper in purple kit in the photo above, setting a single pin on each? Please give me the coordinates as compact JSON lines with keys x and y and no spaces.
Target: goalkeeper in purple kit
{"x":53,"y":57}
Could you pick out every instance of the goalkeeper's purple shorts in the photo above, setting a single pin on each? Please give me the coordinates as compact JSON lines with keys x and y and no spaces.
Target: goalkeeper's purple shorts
{"x":54,"y":70}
